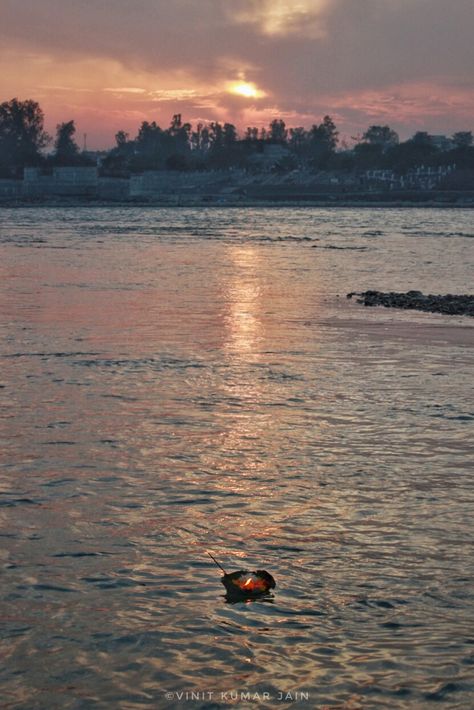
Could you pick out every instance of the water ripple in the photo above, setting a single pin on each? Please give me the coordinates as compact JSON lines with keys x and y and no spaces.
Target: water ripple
{"x":176,"y":381}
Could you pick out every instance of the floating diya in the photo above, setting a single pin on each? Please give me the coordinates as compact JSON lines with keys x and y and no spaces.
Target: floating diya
{"x":243,"y":584}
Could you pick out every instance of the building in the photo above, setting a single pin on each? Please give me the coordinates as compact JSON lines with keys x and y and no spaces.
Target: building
{"x":11,"y":189}
{"x":78,"y":181}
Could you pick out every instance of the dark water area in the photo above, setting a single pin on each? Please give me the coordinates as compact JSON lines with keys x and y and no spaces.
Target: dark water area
{"x":174,"y":381}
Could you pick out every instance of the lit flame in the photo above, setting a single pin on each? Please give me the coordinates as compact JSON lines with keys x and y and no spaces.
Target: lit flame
{"x":252,"y":584}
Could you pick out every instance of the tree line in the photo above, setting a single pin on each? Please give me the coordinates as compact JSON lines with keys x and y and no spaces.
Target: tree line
{"x":24,"y":142}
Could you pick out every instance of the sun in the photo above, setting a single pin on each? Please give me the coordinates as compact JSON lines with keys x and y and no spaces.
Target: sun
{"x":246,"y":89}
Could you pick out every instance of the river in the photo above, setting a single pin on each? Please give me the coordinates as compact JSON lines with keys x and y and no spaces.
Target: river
{"x":181,"y":380}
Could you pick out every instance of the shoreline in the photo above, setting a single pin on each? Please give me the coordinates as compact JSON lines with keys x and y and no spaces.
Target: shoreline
{"x":234,"y":204}
{"x":448,"y":305}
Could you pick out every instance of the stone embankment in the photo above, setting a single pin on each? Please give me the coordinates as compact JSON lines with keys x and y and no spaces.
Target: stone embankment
{"x":462,"y":305}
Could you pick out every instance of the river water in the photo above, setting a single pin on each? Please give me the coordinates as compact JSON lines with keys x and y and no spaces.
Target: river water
{"x":181,"y":380}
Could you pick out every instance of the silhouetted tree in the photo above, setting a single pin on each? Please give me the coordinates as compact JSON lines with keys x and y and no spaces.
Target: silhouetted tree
{"x":152,"y":147}
{"x":200,"y":139}
{"x":462,"y":154}
{"x":216,"y":144}
{"x":422,"y":139}
{"x":66,"y":151}
{"x":328,"y":129}
{"x":181,"y":134}
{"x":230,"y":135}
{"x":22,"y":134}
{"x":375,"y":142}
{"x":462,"y":139}
{"x":149,"y":136}
{"x":199,"y":142}
{"x":224,"y":148}
{"x":277,"y":132}
{"x":298,"y":140}
{"x":418,"y":150}
{"x":118,"y":160}
{"x":381,"y":135}
{"x":216,"y":135}
{"x":121,"y":139}
{"x":323,"y":140}
{"x":251,"y":134}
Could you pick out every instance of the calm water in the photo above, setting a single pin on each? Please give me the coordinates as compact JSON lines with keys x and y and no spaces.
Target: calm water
{"x":180,"y":380}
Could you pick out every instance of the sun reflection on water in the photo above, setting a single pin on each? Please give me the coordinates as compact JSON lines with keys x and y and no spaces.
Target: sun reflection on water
{"x":243,"y":300}
{"x":189,"y":391}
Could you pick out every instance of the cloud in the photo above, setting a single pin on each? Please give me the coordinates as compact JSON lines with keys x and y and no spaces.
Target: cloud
{"x":362,"y":59}
{"x":282,"y":18}
{"x":125,"y":90}
{"x":360,"y":41}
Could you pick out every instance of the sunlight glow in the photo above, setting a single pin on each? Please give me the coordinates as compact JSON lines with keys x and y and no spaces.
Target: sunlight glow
{"x":247,"y":89}
{"x":284,"y":17}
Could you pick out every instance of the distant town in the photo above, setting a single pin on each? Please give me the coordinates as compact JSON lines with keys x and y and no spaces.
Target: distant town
{"x":213,"y":163}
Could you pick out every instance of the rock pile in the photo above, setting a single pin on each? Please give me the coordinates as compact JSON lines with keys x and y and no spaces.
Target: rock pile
{"x":449,"y":304}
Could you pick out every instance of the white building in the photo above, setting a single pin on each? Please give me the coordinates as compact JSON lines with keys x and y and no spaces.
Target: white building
{"x":60,"y":181}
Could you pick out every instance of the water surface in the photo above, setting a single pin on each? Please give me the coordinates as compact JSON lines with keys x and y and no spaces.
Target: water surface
{"x":180,"y":380}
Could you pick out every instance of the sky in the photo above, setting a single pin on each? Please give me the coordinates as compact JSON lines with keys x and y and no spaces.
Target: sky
{"x":111,"y":64}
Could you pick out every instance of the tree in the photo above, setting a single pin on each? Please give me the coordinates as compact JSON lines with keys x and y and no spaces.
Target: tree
{"x":251,"y":134}
{"x":121,"y":139}
{"x":149,"y":136}
{"x":419,"y":150}
{"x":230,"y":135}
{"x":175,"y":125}
{"x":374,"y":144}
{"x":224,"y":147}
{"x":323,"y":140}
{"x":118,"y":160}
{"x":422,"y":139}
{"x":381,"y":135}
{"x":181,"y":134}
{"x":22,"y":134}
{"x":462,"y":154}
{"x":329,"y":131}
{"x":200,"y":139}
{"x":463,"y":139}
{"x":66,"y":151}
{"x":216,"y":144}
{"x":277,"y":132}
{"x":216,"y":136}
{"x":298,"y":140}
{"x":152,"y":147}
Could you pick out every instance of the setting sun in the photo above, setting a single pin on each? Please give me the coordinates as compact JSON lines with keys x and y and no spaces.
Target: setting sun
{"x":247,"y":89}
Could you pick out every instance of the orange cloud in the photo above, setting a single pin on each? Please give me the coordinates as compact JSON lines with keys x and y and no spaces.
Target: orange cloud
{"x":410,"y":106}
{"x":283,"y":17}
{"x":362,"y":62}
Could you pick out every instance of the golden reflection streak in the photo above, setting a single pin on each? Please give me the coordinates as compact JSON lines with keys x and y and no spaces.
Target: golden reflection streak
{"x":241,"y":443}
{"x":243,"y":297}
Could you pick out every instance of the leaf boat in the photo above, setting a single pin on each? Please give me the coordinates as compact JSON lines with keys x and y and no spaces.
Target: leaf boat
{"x":244,"y":584}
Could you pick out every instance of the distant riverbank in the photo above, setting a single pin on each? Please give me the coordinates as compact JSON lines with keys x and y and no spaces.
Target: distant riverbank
{"x":365,"y":201}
